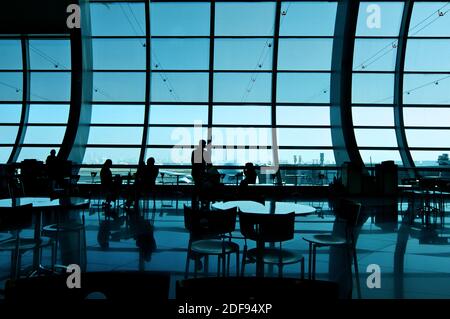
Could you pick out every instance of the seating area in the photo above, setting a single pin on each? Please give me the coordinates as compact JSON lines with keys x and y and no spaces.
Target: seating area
{"x":174,"y":153}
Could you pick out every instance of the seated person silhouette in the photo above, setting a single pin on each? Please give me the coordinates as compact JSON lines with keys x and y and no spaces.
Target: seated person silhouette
{"x":140,"y":176}
{"x":151,"y":173}
{"x":51,"y":158}
{"x":212,"y":176}
{"x":250,"y":175}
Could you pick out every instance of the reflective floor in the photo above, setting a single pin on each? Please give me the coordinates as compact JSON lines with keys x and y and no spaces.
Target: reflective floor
{"x":414,"y":260}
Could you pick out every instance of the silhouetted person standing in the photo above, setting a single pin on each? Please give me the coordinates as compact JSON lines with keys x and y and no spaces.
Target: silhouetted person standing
{"x":107,"y":182}
{"x":52,"y":168}
{"x":198,"y":170}
{"x":198,"y":163}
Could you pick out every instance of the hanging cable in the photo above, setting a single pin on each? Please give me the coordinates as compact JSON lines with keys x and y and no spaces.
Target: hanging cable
{"x":262,"y":57}
{"x":393,"y":44}
{"x":166,"y":81}
{"x":408,"y":92}
{"x":10,"y":86}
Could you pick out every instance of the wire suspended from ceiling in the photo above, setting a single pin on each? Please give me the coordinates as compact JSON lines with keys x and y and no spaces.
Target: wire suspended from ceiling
{"x":266,"y":49}
{"x":158,"y":65}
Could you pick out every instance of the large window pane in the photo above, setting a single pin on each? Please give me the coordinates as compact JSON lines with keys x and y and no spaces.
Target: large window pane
{"x":180,"y":54}
{"x":10,"y":113}
{"x":10,"y":86}
{"x":373,"y":88}
{"x":176,"y":135}
{"x":242,"y":136}
{"x":379,"y":18}
{"x":230,"y":156}
{"x":427,"y":158}
{"x":242,"y":87}
{"x":118,"y":19}
{"x":39,"y":153}
{"x":50,"y":86}
{"x":11,"y":55}
{"x":308,"y":18}
{"x":304,"y":137}
{"x":51,"y":113}
{"x":179,"y":87}
{"x":119,"y":87}
{"x":305,"y":54}
{"x":430,"y":19}
{"x":115,"y":135}
{"x":174,"y":156}
{"x":427,"y":55}
{"x":306,"y":157}
{"x":118,"y":156}
{"x":50,"y":54}
{"x":426,"y":89}
{"x":372,"y":157}
{"x":5,"y":152}
{"x":117,"y":114}
{"x":177,"y":18}
{"x":248,"y":54}
{"x":303,"y":87}
{"x":245,"y":18}
{"x":8,"y":134}
{"x":376,"y":137}
{"x":179,"y":114}
{"x":44,"y":135}
{"x":428,"y":138}
{"x":294,"y":115}
{"x":244,"y":115}
{"x":426,"y":116}
{"x":375,"y":55}
{"x":373,"y":116}
{"x":118,"y":54}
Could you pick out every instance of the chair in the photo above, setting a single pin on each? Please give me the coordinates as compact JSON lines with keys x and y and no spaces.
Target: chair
{"x":269,"y":228}
{"x":348,"y":213}
{"x":14,"y":220}
{"x":54,"y":230}
{"x":207,"y":236}
{"x":149,"y":288}
{"x":254,"y":289}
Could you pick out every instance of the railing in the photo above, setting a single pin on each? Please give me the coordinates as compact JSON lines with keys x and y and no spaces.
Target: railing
{"x":291,"y":175}
{"x":231,"y":175}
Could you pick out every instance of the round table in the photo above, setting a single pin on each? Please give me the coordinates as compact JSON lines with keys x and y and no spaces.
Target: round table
{"x":267,"y":208}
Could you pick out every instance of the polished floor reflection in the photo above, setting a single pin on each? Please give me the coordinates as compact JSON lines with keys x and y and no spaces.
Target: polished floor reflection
{"x":414,"y":259}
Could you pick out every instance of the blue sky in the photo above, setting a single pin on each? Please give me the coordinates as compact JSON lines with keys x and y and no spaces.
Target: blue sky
{"x":314,"y":19}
